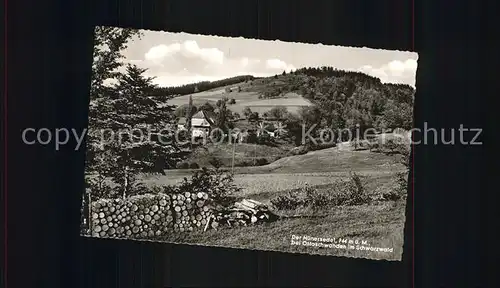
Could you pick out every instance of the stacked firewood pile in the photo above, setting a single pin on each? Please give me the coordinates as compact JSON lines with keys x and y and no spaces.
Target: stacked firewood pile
{"x":243,"y":213}
{"x":146,"y":216}
{"x":150,"y":216}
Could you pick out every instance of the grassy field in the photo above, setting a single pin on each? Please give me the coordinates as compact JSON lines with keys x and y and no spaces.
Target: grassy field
{"x":243,"y":153}
{"x":243,"y":99}
{"x":379,"y":223}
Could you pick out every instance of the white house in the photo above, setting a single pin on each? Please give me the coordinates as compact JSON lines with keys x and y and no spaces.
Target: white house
{"x":201,"y":123}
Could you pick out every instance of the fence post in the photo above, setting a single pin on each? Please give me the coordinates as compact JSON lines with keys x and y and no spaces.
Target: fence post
{"x":89,"y":217}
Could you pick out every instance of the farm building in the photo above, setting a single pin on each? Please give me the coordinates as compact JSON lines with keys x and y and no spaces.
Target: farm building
{"x":201,"y":123}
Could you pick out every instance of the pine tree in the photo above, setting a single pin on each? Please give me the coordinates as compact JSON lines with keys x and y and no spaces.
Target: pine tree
{"x":135,"y":120}
{"x":189,"y":117}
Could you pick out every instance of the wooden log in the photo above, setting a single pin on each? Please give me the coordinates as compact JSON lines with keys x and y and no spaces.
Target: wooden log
{"x":177,"y":209}
{"x":101,"y":215}
{"x":245,"y":207}
{"x":207,"y":223}
{"x":154,"y":208}
{"x":147,"y":218}
{"x":214,"y":225}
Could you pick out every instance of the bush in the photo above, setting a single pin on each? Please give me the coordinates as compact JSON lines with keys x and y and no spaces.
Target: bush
{"x":182,"y":165}
{"x":232,"y":101}
{"x":287,"y":202}
{"x":264,"y":139}
{"x":216,"y":162}
{"x":216,"y":183}
{"x":301,"y":150}
{"x":347,"y":193}
{"x":243,"y":164}
{"x":360,"y":144}
{"x":262,"y":161}
{"x":194,"y":166}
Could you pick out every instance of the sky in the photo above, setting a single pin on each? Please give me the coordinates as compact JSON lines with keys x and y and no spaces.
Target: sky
{"x":179,"y":58}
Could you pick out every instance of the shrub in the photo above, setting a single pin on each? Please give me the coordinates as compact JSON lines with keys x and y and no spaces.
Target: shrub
{"x":216,"y":162}
{"x":360,"y":144}
{"x":348,"y":193}
{"x":216,"y":183}
{"x":182,"y":165}
{"x":264,"y":139}
{"x":194,"y":166}
{"x":262,"y":161}
{"x":301,"y":150}
{"x":287,"y":202}
{"x":232,"y":101}
{"x":243,"y":164}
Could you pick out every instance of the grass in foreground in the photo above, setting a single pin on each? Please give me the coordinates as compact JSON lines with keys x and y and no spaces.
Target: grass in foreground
{"x":380,"y":224}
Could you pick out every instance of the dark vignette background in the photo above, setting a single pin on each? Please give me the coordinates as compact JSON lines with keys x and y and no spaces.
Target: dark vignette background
{"x":48,"y":68}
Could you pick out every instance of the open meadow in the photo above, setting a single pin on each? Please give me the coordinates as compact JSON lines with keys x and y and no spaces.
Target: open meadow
{"x":292,"y":101}
{"x":379,"y":223}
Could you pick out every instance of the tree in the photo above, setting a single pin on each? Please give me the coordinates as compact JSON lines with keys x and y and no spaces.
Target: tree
{"x":223,"y":115}
{"x":247,"y":112}
{"x":207,"y":107}
{"x":278,"y":112}
{"x":109,"y":42}
{"x":182,"y":111}
{"x":232,"y":101}
{"x":239,"y":88}
{"x":253,"y":117}
{"x":135,"y":120}
{"x":189,"y":114}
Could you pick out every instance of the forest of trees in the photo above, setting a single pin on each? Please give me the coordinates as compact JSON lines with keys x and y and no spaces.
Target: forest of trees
{"x":344,"y":100}
{"x":198,"y":87}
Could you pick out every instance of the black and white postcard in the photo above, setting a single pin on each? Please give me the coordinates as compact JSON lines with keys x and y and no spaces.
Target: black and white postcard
{"x":249,"y":144}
